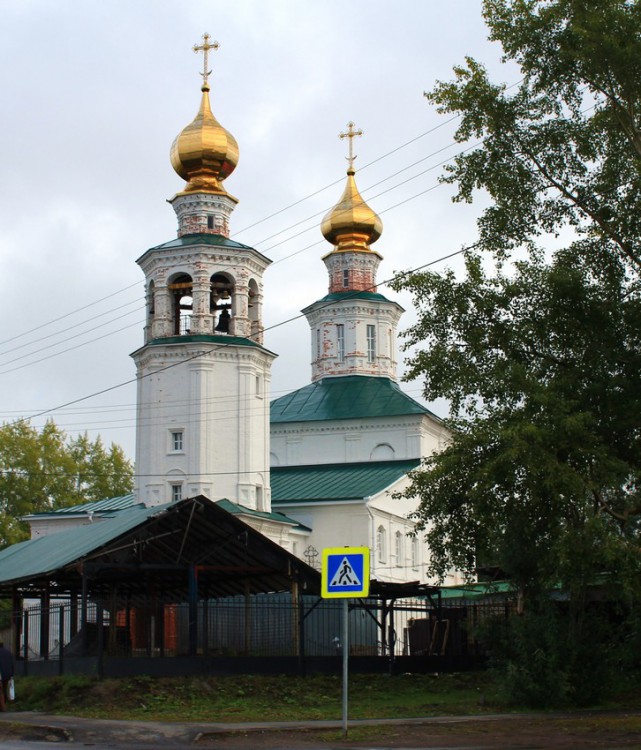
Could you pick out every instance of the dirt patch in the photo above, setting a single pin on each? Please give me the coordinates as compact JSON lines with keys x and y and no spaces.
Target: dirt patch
{"x":590,"y":731}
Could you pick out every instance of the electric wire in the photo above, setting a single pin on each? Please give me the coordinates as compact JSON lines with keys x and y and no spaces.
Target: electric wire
{"x":197,"y":355}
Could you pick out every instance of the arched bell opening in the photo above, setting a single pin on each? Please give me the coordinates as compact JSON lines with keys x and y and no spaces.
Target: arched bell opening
{"x":254,"y":310}
{"x":151,"y":302}
{"x":181,"y":288}
{"x":221,"y":301}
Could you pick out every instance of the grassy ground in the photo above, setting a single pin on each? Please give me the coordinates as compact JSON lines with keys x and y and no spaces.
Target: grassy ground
{"x":255,"y":698}
{"x":268,"y":698}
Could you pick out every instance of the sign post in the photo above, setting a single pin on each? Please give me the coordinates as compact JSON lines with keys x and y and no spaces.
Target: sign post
{"x":345,"y":575}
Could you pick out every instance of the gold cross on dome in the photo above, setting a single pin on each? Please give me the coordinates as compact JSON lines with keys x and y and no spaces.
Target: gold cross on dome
{"x":351,"y":134}
{"x":204,"y":48}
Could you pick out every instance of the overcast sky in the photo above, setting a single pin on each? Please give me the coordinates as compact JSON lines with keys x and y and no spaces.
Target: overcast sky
{"x":93,"y":94}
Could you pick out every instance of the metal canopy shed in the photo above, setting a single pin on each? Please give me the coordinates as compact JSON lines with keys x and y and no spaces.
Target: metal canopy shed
{"x":170,"y":548}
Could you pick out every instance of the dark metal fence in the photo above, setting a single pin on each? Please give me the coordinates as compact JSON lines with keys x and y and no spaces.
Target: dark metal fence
{"x":255,"y":626}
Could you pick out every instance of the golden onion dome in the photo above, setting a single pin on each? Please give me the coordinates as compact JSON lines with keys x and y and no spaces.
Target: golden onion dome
{"x":204,"y":153}
{"x":351,"y":224}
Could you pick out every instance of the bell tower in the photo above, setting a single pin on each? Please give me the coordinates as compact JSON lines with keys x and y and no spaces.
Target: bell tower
{"x":203,"y":373}
{"x":353,"y":326}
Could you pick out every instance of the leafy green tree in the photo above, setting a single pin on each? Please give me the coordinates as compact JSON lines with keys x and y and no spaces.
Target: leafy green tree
{"x":41,"y":470}
{"x":538,"y":344}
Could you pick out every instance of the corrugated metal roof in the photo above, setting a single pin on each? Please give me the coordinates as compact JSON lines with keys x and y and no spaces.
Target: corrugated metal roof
{"x":48,"y":553}
{"x":335,"y":482}
{"x":206,"y":338}
{"x":346,"y":397}
{"x":188,"y":240}
{"x":140,"y":549}
{"x":107,"y":505}
{"x":340,"y":296}
{"x":237,"y":509}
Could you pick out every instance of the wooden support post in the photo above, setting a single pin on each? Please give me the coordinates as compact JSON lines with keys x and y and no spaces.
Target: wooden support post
{"x":61,"y":637}
{"x":100,"y":625}
{"x":16,"y":620}
{"x":193,"y":611}
{"x":45,"y":622}
{"x":248,"y":619}
{"x":295,"y":621}
{"x":83,"y":614}
{"x":73,"y":614}
{"x":25,"y":632}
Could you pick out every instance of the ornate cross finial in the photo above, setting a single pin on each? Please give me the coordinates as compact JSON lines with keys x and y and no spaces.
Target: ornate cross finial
{"x":204,"y":48}
{"x":351,"y":134}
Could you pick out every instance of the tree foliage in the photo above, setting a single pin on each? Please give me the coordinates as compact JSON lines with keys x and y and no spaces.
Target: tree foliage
{"x":538,"y":345}
{"x":41,"y":470}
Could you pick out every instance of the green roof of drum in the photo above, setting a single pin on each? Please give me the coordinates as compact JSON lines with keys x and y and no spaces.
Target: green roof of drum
{"x":345,"y":397}
{"x":336,"y":482}
{"x":188,"y":240}
{"x":340,"y":296}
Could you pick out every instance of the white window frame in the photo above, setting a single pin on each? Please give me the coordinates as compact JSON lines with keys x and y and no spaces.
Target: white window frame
{"x":176,"y":441}
{"x":176,"y":492}
{"x":371,"y":343}
{"x":340,"y":342}
{"x":381,"y":544}
{"x":398,"y":548}
{"x":415,"y":553}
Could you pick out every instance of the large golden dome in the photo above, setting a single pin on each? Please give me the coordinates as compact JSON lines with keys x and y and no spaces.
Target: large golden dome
{"x":351,"y":224}
{"x":204,"y":153}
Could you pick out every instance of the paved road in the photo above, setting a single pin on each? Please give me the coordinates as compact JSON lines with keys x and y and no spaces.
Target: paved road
{"x":37,"y":730}
{"x":39,"y":727}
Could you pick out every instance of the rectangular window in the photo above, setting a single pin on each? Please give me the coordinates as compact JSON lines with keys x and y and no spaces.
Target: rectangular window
{"x":340,"y":342}
{"x":259,"y":386}
{"x":371,"y":343}
{"x":318,"y":343}
{"x":346,"y":278}
{"x":177,"y":440}
{"x":176,"y":492}
{"x":210,"y":222}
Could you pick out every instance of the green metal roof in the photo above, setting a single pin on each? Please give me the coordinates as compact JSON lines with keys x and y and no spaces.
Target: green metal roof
{"x":241,"y":510}
{"x":340,"y":296}
{"x":213,"y":240}
{"x":206,"y":338}
{"x":188,"y":240}
{"x":49,"y":553}
{"x":345,"y":397}
{"x":335,"y":482}
{"x":477,"y":590}
{"x":107,"y":505}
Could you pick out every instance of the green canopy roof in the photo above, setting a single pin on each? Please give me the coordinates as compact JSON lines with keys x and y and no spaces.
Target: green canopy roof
{"x":46,"y":554}
{"x":335,"y":482}
{"x":345,"y":397}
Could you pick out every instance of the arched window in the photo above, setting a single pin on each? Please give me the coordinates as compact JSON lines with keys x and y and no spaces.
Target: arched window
{"x":151,"y":303}
{"x":398,"y":548}
{"x":221,"y":301}
{"x":381,"y":544}
{"x":382,"y":452}
{"x":181,"y":289}
{"x":415,"y":552}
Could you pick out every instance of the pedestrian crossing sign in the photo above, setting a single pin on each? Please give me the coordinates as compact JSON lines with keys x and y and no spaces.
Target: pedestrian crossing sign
{"x":345,"y":572}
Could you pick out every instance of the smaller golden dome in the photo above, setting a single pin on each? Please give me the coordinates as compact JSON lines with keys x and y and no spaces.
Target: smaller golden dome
{"x":204,"y":153}
{"x":351,"y":224}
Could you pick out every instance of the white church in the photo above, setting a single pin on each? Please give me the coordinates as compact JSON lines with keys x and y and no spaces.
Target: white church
{"x":317,"y":467}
